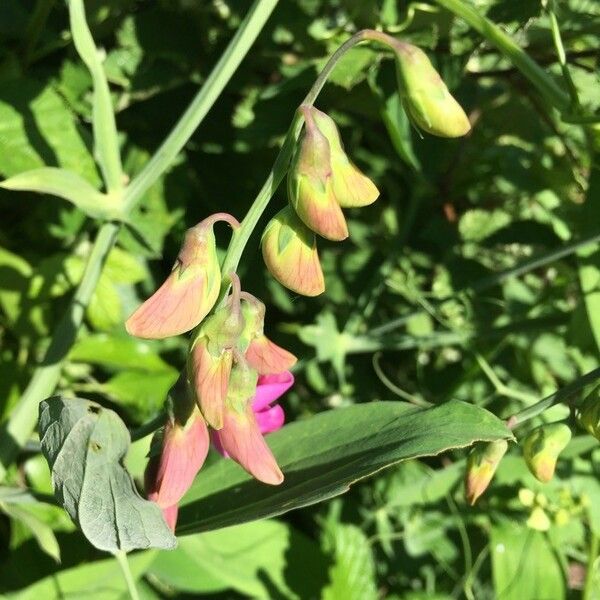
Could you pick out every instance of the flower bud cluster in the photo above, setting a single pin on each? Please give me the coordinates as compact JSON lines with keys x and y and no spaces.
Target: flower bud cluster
{"x":233,"y":374}
{"x":321,"y":181}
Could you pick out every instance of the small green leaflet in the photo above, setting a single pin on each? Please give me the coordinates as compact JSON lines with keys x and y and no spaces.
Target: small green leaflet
{"x":84,"y":445}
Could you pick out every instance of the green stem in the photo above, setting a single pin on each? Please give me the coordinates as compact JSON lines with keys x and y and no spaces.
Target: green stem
{"x":544,"y":83}
{"x":106,"y":143}
{"x":562,"y":59}
{"x":149,"y":427}
{"x":563,"y":395}
{"x":19,"y":427}
{"x":121,"y":557}
{"x":17,"y":430}
{"x":201,"y":104}
{"x":242,"y":235}
{"x":589,"y":590}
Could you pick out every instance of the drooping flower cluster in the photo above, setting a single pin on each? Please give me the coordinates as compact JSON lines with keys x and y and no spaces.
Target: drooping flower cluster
{"x":321,"y":181}
{"x":233,"y":373}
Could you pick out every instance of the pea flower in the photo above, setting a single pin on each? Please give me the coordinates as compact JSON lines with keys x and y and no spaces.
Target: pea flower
{"x":265,"y":418}
{"x":289,"y":250}
{"x":542,"y":447}
{"x":189,"y":292}
{"x":425,"y":96}
{"x":179,"y":451}
{"x":482,"y":462}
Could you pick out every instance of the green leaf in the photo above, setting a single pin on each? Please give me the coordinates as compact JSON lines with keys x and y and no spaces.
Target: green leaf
{"x":117,"y":352}
{"x":322,"y":456}
{"x":525,"y":566}
{"x":99,"y":580}
{"x":84,"y":445}
{"x":37,"y":129}
{"x":352,"y":575}
{"x":255,"y":559}
{"x":68,"y":185}
{"x":41,"y":531}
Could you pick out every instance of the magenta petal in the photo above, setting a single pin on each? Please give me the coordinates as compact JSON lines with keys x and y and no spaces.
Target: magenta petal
{"x":271,"y":419}
{"x":270,"y":388}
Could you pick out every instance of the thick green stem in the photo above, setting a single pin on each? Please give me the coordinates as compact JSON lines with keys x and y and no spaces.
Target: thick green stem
{"x":563,"y":395}
{"x":21,"y":424}
{"x":590,"y":589}
{"x":544,"y":82}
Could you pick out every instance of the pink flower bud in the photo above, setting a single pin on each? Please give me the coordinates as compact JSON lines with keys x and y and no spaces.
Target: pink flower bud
{"x":209,"y":376}
{"x":170,"y":516}
{"x":482,"y":462}
{"x":290,"y":252}
{"x":242,"y":440}
{"x":183,"y":450}
{"x":189,"y":292}
{"x":310,"y":184}
{"x":351,"y":188}
{"x":267,"y":357}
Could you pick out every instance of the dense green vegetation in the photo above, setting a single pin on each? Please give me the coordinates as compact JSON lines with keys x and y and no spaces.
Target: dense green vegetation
{"x":465,"y":295}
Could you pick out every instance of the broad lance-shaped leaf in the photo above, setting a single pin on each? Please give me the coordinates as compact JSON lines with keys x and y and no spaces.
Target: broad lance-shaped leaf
{"x":84,"y":445}
{"x":68,"y":185}
{"x":322,"y":456}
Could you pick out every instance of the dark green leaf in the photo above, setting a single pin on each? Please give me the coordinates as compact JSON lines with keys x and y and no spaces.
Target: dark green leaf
{"x":322,"y":456}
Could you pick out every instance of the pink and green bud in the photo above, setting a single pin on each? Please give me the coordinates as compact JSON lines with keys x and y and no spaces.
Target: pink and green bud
{"x":243,"y":441}
{"x":182,"y":450}
{"x":310,"y":184}
{"x":290,"y":252}
{"x":351,"y":187}
{"x":260,"y":352}
{"x":588,"y":414}
{"x":189,"y":292}
{"x":209,"y":376}
{"x":542,"y":447}
{"x":267,"y":357}
{"x":482,"y":462}
{"x":425,"y":96}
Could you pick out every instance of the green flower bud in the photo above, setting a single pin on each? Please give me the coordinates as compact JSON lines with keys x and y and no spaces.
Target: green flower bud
{"x":542,"y":447}
{"x":425,"y":96}
{"x":482,"y":462}
{"x":290,"y":252}
{"x":588,"y":414}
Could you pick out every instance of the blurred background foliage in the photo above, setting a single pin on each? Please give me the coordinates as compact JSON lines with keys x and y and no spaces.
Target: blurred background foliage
{"x":420,"y":302}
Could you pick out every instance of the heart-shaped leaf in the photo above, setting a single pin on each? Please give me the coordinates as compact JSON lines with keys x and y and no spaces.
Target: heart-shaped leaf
{"x":85,"y":444}
{"x":322,"y":456}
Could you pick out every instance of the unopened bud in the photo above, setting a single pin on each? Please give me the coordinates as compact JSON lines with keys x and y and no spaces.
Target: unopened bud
{"x":181,"y":451}
{"x":290,"y":252}
{"x":588,"y":414}
{"x":189,"y":292}
{"x":351,"y":188}
{"x":542,"y":447}
{"x":425,"y":96}
{"x":263,"y":355}
{"x":482,"y":462}
{"x":310,"y":184}
{"x":243,"y":441}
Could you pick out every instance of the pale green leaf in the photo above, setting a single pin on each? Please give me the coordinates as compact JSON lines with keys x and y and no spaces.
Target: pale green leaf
{"x":525,"y":566}
{"x":69,"y":186}
{"x":85,"y":444}
{"x":352,"y":575}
